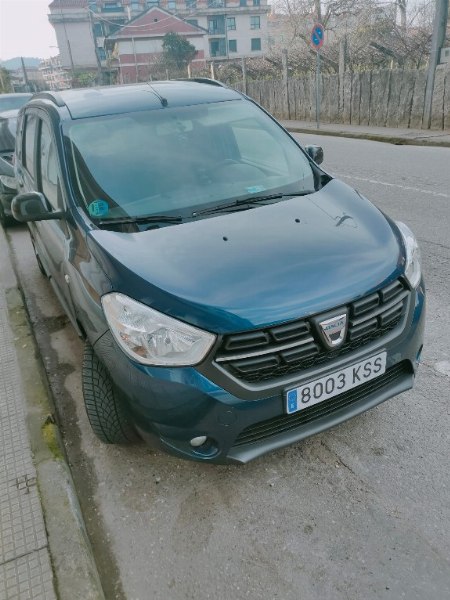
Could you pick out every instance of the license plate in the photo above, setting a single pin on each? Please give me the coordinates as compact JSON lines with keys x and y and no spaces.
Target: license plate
{"x":335,"y":383}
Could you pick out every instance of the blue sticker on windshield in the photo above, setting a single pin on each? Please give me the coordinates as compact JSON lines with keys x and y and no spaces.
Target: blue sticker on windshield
{"x":254,"y":189}
{"x":98,"y":208}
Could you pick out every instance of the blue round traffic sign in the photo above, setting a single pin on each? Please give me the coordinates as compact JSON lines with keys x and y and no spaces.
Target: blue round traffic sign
{"x":317,"y":36}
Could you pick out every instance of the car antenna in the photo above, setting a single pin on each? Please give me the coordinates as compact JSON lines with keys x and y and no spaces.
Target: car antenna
{"x":158,"y":95}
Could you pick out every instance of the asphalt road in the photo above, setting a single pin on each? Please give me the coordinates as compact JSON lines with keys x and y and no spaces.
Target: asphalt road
{"x":359,"y":512}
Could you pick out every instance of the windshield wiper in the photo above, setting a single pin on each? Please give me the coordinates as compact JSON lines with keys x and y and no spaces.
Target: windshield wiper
{"x":248,"y":201}
{"x":143,"y":219}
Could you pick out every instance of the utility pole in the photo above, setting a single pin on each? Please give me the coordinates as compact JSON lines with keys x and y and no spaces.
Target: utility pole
{"x":94,"y":39}
{"x":25,"y":75}
{"x":284,"y":60}
{"x":244,"y":74}
{"x":437,"y":42}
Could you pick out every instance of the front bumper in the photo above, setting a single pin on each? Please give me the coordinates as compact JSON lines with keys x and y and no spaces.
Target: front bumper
{"x":176,"y":405}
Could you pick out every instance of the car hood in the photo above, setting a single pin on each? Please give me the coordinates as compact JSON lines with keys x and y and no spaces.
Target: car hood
{"x":256,"y":267}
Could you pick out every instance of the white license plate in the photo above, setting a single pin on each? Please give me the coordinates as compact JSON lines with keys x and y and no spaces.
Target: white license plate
{"x":335,"y":383}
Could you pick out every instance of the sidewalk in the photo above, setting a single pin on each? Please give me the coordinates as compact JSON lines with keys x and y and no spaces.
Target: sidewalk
{"x":44,"y":550}
{"x":390,"y":135}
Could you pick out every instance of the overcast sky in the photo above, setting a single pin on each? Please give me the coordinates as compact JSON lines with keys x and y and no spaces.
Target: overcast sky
{"x":25,"y":29}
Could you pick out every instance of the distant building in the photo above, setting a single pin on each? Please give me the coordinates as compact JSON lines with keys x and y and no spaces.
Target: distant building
{"x":233,"y":28}
{"x":55,"y":77}
{"x":30,"y":81}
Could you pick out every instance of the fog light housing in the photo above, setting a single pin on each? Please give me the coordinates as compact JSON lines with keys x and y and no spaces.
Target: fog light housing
{"x":198,"y":441}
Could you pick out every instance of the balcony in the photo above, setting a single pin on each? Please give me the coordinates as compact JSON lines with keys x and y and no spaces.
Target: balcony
{"x":69,"y":17}
{"x":204,"y":11}
{"x":112,"y":9}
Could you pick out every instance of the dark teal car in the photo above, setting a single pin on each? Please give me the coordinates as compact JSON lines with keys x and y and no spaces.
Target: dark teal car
{"x":233,"y":296}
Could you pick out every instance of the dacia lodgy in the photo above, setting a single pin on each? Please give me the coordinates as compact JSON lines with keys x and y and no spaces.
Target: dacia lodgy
{"x":233,"y":296}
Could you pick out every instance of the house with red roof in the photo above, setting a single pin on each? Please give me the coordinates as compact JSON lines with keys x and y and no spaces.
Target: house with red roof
{"x":138,"y":45}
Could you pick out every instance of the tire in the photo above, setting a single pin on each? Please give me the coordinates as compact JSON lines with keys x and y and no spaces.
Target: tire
{"x":4,"y":220}
{"x":38,"y":260}
{"x":104,"y":404}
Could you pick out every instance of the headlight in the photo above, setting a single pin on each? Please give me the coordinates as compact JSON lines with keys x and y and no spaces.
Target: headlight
{"x":9,"y":182}
{"x":413,"y":269}
{"x":152,"y":338}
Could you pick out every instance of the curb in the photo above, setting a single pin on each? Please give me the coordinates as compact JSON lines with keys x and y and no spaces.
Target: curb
{"x":75,"y":571}
{"x":374,"y":137}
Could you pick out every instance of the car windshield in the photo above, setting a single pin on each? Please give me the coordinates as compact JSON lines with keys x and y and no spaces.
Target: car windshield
{"x":174,"y":161}
{"x":13,"y":103}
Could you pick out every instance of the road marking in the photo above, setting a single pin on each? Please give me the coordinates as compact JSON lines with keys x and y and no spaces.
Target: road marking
{"x":396,"y":185}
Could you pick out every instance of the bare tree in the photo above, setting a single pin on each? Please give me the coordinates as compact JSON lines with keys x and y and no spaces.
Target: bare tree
{"x":373,"y":37}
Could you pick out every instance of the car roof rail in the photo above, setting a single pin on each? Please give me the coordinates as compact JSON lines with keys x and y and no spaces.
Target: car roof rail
{"x":204,"y":80}
{"x":53,"y":96}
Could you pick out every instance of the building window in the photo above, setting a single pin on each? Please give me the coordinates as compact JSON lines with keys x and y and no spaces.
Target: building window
{"x":193,"y":22}
{"x":255,"y":22}
{"x":217,"y":47}
{"x":242,"y":2}
{"x":256,"y":44}
{"x":135,"y":6}
{"x":256,"y":2}
{"x":112,"y":7}
{"x":101,"y":53}
{"x":172,"y":5}
{"x":216,"y":26}
{"x":232,"y":45}
{"x":98,"y":30}
{"x":191,"y":3}
{"x":231,"y":23}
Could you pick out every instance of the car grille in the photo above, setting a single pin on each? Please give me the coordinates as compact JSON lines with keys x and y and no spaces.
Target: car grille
{"x":273,"y":352}
{"x":282,"y":423}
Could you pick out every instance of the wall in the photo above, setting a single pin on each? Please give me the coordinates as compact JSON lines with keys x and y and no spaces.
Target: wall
{"x":388,"y":98}
{"x":79,"y":36}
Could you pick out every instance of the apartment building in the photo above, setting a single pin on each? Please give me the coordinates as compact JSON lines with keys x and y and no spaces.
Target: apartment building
{"x":55,"y":77}
{"x":81,"y":27}
{"x":233,"y":28}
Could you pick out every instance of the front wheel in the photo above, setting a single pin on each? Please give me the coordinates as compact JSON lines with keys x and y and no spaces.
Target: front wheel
{"x":5,"y":220}
{"x":104,"y":404}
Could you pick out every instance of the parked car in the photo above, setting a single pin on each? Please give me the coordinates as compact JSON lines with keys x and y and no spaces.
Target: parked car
{"x":8,"y":124}
{"x":233,"y":296}
{"x":13,"y":101}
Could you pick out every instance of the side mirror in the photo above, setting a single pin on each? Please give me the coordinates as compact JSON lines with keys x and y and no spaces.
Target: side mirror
{"x":316,"y":153}
{"x":33,"y":207}
{"x":6,"y":168}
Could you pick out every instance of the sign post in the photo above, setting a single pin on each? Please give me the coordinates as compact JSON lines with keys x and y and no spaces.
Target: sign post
{"x":317,"y":39}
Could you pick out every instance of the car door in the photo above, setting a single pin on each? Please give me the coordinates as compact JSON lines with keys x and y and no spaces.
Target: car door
{"x":53,"y":240}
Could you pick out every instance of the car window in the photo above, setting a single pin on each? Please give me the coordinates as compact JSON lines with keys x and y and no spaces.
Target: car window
{"x":48,"y":167}
{"x":29,"y":143}
{"x":179,"y":159}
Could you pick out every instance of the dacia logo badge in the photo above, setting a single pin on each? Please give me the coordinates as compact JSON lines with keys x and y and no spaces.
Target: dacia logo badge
{"x":334,"y":330}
